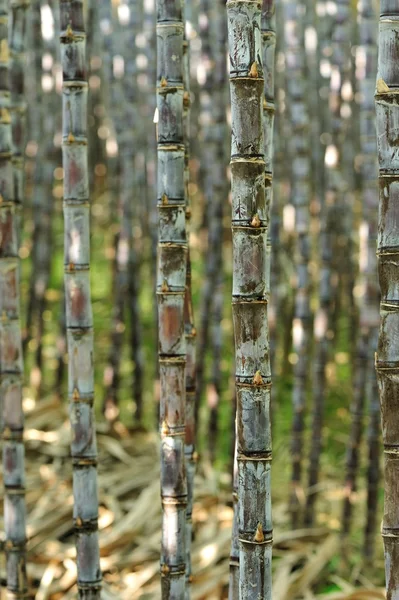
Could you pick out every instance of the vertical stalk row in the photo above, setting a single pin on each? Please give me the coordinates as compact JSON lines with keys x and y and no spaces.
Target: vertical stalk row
{"x":171,"y":285}
{"x":250,"y":211}
{"x":11,"y":364}
{"x":387,"y":358}
{"x":79,"y":319}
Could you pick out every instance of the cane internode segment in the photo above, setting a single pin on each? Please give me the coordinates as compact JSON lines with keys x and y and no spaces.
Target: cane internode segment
{"x":79,"y":318}
{"x":387,"y":357}
{"x":171,"y":288}
{"x":250,"y":213}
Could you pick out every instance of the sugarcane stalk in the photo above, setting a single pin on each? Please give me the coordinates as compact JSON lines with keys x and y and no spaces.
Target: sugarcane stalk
{"x":357,"y":410}
{"x":334,"y":199}
{"x":373,"y":467}
{"x":11,"y":360}
{"x":250,"y":211}
{"x":300,"y":156}
{"x":366,"y":68}
{"x":189,"y":325}
{"x":220,"y":193}
{"x":43,"y":122}
{"x":234,"y":576}
{"x":215,"y":160}
{"x":79,"y":319}
{"x":208,"y":100}
{"x":171,"y":285}
{"x":387,"y":358}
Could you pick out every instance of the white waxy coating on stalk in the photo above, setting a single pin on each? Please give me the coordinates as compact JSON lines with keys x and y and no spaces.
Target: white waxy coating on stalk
{"x":79,"y":318}
{"x":171,"y":288}
{"x":250,"y":212}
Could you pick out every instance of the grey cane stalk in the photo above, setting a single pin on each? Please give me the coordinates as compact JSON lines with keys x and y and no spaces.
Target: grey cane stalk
{"x":171,"y":286}
{"x":334,"y":199}
{"x":387,"y":357}
{"x":366,"y":60}
{"x":79,"y":319}
{"x":373,"y":467}
{"x":301,"y":191}
{"x":11,"y":361}
{"x":42,"y":127}
{"x":189,"y":326}
{"x":234,"y":576}
{"x":18,"y":43}
{"x":250,"y":211}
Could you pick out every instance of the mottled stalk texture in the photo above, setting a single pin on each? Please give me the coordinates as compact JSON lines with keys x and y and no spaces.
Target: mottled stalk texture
{"x":79,"y":319}
{"x":301,"y":191}
{"x":11,"y":363}
{"x":250,"y":210}
{"x":171,"y":286}
{"x":387,"y":358}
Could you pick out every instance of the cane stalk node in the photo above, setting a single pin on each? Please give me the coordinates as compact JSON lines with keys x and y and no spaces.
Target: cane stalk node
{"x":255,"y":221}
{"x":164,"y":83}
{"x":71,"y":138}
{"x":165,"y":287}
{"x":164,"y":200}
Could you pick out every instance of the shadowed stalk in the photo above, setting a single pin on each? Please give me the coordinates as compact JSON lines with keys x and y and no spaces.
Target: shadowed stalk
{"x":250,"y":213}
{"x":171,"y":286}
{"x":334,"y":198}
{"x":189,"y":326}
{"x":42,"y":126}
{"x":387,"y":358}
{"x":234,"y":578}
{"x":366,"y":68}
{"x":373,"y":467}
{"x":216,"y":144}
{"x":214,"y":162}
{"x":301,"y":189}
{"x":356,"y":412}
{"x":124,"y":108}
{"x":11,"y":360}
{"x":79,"y":318}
